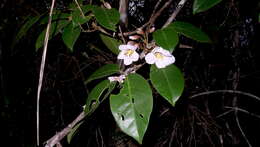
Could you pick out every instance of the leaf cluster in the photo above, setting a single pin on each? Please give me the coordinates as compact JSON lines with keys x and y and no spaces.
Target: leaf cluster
{"x":133,"y":105}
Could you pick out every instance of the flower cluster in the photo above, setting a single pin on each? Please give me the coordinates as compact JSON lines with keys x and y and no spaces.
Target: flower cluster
{"x":158,"y":56}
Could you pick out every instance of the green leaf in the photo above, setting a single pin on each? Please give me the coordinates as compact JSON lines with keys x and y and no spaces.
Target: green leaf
{"x":78,"y":18}
{"x":87,"y":8}
{"x":24,"y":29}
{"x":73,"y":131}
{"x":132,"y":107}
{"x":102,"y":72}
{"x":56,"y":27}
{"x":70,"y":35}
{"x":203,"y":5}
{"x":55,"y":17}
{"x":111,"y":43}
{"x":190,"y":31}
{"x":108,"y":18}
{"x":167,"y":38}
{"x":169,"y":82}
{"x":95,"y":96}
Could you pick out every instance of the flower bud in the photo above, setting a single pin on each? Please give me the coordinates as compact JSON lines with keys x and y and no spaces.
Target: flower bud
{"x":134,"y":37}
{"x":152,"y":30}
{"x":107,"y":5}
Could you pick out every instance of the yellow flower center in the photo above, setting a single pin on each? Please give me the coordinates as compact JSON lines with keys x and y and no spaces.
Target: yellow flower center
{"x":129,"y":52}
{"x":159,"y":55}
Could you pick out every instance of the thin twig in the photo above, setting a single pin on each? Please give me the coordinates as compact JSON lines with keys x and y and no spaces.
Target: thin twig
{"x":101,"y":137}
{"x":82,"y":13}
{"x":241,"y":130}
{"x":60,"y":135}
{"x":96,"y":27}
{"x":42,"y":72}
{"x":135,"y":31}
{"x":175,"y":13}
{"x":122,"y":36}
{"x":185,"y":46}
{"x":225,"y":91}
{"x":132,"y":69}
{"x":225,"y":113}
{"x":158,"y":13}
{"x":151,"y":20}
{"x":173,"y":133}
{"x":233,"y":92}
{"x":243,"y":110}
{"x":156,"y":6}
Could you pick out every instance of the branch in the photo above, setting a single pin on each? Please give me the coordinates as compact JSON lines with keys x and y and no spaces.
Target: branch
{"x":156,"y":6}
{"x":241,"y":130}
{"x":158,"y":13}
{"x":60,"y":135}
{"x":151,"y":20}
{"x":175,"y":13}
{"x":81,"y":12}
{"x":132,"y":69}
{"x":123,"y":7}
{"x":46,"y":39}
{"x":226,"y":91}
{"x":243,"y":110}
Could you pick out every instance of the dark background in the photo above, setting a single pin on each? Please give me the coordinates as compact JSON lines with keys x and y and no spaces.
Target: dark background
{"x":231,"y":62}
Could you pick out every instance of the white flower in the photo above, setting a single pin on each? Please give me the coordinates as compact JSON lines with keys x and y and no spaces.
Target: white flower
{"x":119,"y":79}
{"x":128,"y":53}
{"x":160,"y":57}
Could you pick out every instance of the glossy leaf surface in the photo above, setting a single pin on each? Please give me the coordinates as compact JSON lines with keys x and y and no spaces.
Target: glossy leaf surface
{"x":111,"y":43}
{"x":73,"y":131}
{"x":108,"y":18}
{"x":70,"y":35}
{"x":190,"y":31}
{"x":103,"y":71}
{"x":97,"y":95}
{"x":78,"y":18}
{"x":168,"y":82}
{"x":203,"y":5}
{"x":167,"y":38}
{"x":132,"y":107}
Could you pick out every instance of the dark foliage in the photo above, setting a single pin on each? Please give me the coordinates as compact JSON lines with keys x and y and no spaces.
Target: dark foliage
{"x":230,"y":63}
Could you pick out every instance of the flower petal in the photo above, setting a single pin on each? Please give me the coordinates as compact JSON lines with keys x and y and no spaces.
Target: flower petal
{"x":122,"y":47}
{"x":135,"y":56}
{"x":122,"y":77}
{"x":156,"y":49}
{"x":150,"y":58}
{"x":160,"y":64}
{"x":112,"y":79}
{"x":127,"y":61}
{"x":132,"y":47}
{"x":127,"y":47}
{"x":121,"y":55}
{"x":171,"y":59}
{"x":164,"y":52}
